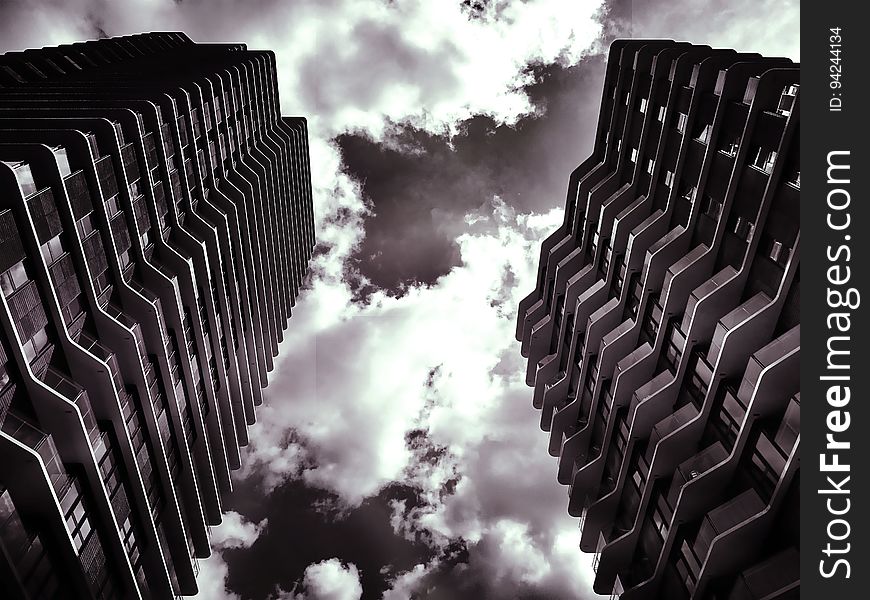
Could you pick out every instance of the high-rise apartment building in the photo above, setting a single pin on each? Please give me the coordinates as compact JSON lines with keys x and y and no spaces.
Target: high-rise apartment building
{"x":663,"y":335}
{"x":156,"y":222}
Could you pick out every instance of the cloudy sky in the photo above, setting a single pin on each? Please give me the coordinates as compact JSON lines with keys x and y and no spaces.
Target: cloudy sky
{"x":397,"y":454}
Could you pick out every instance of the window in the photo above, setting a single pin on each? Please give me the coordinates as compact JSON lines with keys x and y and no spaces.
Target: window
{"x":637,"y":478}
{"x":76,"y":517}
{"x":92,"y":142}
{"x":206,"y":113}
{"x":73,"y":310}
{"x":643,"y":105}
{"x":768,"y":459}
{"x":590,"y":376}
{"x":786,"y":100}
{"x":712,"y":207}
{"x":52,"y":250}
{"x":674,"y":346}
{"x":744,"y":228}
{"x":732,"y":412}
{"x":763,"y":159}
{"x":682,"y":120}
{"x":112,"y":207}
{"x":660,"y":117}
{"x":101,"y":282}
{"x":633,"y":157}
{"x":34,"y":345}
{"x":730,"y":145}
{"x":650,"y":165}
{"x":704,"y":135}
{"x":124,"y":258}
{"x":62,"y":161}
{"x":25,"y":180}
{"x":688,"y":191}
{"x":85,"y":225}
{"x":775,"y":250}
{"x":701,"y":376}
{"x":669,"y":178}
{"x":660,"y":522}
{"x":14,"y":278}
{"x":621,"y":435}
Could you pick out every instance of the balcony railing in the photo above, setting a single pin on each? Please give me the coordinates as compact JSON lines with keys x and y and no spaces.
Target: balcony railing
{"x":725,"y":517}
{"x":673,"y":422}
{"x":41,"y":443}
{"x":93,"y":346}
{"x":778,"y":573}
{"x":75,"y":393}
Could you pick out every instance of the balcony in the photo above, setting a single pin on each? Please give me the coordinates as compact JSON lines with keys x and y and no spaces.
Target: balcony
{"x":770,"y":578}
{"x":684,"y":263}
{"x":137,"y":286}
{"x":640,"y":569}
{"x":789,"y":429}
{"x":104,"y":354}
{"x":672,"y":422}
{"x":696,"y":466}
{"x":625,"y":365}
{"x":707,"y":289}
{"x":119,"y":315}
{"x":652,"y":401}
{"x":768,"y":465}
{"x":739,"y":315}
{"x":774,"y":352}
{"x":76,"y":394}
{"x":724,"y":518}
{"x":41,"y":443}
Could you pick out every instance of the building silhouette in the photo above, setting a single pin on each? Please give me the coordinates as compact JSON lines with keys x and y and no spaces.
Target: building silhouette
{"x":156,"y":221}
{"x":663,"y":334}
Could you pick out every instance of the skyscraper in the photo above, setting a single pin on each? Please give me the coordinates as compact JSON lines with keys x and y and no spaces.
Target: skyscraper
{"x":663,"y":334}
{"x":156,"y":221}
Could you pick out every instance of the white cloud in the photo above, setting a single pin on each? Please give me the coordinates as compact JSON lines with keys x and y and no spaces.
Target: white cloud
{"x":328,"y":580}
{"x":350,"y":383}
{"x":441,"y":359}
{"x":721,"y":23}
{"x":405,"y":584}
{"x":236,"y":532}
{"x":212,"y":579}
{"x":355,"y":64}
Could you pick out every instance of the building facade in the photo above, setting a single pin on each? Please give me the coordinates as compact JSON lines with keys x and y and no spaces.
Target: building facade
{"x":663,"y":334}
{"x":156,"y":222}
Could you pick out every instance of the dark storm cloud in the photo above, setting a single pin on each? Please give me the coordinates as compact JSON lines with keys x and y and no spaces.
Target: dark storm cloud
{"x":422,"y":186}
{"x":305,"y":528}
